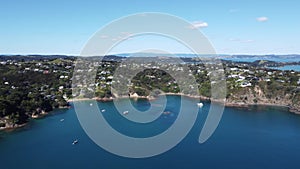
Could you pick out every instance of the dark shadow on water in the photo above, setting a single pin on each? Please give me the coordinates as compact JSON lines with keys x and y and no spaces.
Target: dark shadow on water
{"x":262,"y":108}
{"x":32,"y":123}
{"x":142,"y":130}
{"x":141,"y":104}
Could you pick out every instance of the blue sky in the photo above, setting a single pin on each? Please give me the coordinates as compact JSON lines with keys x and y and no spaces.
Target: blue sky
{"x":232,"y":26}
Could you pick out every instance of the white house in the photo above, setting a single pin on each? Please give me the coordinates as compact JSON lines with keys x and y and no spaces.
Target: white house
{"x":234,"y":69}
{"x":246,"y":84}
{"x":233,"y":76}
{"x":110,"y":77}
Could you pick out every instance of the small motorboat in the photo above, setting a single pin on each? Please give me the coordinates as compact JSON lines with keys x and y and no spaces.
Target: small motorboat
{"x":91,"y":104}
{"x":200,"y":105}
{"x":75,"y":142}
{"x":103,"y":110}
{"x":166,"y":113}
{"x":125,"y":112}
{"x":62,"y":120}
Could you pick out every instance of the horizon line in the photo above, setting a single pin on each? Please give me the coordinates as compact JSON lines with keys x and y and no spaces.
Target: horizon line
{"x":117,"y":54}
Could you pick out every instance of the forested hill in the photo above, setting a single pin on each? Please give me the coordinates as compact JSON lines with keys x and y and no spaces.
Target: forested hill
{"x":33,"y":84}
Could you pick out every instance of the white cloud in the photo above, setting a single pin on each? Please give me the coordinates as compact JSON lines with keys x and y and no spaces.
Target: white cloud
{"x":248,"y":41}
{"x":198,"y":24}
{"x":121,"y":36}
{"x":234,"y":40}
{"x":241,"y":40}
{"x":126,"y":33}
{"x":262,"y":19}
{"x":104,"y":36}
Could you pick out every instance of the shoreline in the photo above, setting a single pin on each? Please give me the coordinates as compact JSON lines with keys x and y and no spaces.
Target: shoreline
{"x":291,"y":109}
{"x":11,"y":128}
{"x":32,"y":117}
{"x":105,"y":99}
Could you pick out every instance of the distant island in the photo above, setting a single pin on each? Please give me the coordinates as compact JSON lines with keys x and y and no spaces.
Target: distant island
{"x":33,"y":85}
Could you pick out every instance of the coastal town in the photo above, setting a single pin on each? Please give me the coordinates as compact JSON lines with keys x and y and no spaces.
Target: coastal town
{"x":33,"y":86}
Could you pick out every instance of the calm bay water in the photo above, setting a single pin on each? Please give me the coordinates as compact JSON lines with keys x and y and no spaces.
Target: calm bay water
{"x":252,"y":59}
{"x":256,"y":137}
{"x":288,"y":67}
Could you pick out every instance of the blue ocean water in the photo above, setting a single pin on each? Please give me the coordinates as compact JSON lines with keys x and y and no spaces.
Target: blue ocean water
{"x":288,"y":67}
{"x":252,"y":59}
{"x":255,"y":137}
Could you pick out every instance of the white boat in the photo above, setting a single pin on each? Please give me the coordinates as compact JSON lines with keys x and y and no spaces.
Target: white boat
{"x":200,"y":105}
{"x":125,"y":112}
{"x":103,"y":110}
{"x":62,"y":120}
{"x":75,"y":142}
{"x":91,"y":104}
{"x":166,"y":113}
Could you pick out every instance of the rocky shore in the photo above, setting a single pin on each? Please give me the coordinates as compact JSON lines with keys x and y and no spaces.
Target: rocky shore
{"x":293,"y":108}
{"x":10,"y":126}
{"x":6,"y":124}
{"x":228,"y":102}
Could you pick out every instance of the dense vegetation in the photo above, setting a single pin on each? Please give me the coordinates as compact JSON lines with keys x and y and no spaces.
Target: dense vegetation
{"x":27,"y":90}
{"x":30,"y":86}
